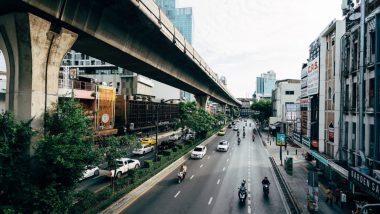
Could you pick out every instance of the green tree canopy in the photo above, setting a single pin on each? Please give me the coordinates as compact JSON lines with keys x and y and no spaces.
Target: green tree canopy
{"x":263,"y":110}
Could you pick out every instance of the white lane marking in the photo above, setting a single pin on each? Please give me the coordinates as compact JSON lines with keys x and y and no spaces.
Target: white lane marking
{"x":192,"y":177}
{"x":177,"y":194}
{"x":228,"y":159}
{"x":208,"y":157}
{"x":249,"y":187}
{"x":249,"y":202}
{"x":249,"y":195}
{"x":218,"y":181}
{"x":213,"y":151}
{"x":249,"y":209}
{"x":224,"y":168}
{"x":201,"y":166}
{"x":209,"y":201}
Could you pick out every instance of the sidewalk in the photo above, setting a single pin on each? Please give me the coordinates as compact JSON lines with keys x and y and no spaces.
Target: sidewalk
{"x":298,"y":180}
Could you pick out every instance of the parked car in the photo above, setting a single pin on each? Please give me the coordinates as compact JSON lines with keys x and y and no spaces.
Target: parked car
{"x":90,"y":171}
{"x":164,"y":145}
{"x":174,"y":137}
{"x":199,"y":152}
{"x":223,"y":146}
{"x":123,"y":165}
{"x":145,"y":148}
{"x":222,"y":132}
{"x":229,"y":126}
{"x":148,"y":140}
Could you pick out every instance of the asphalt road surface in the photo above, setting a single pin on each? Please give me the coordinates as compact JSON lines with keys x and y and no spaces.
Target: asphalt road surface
{"x":211,"y":184}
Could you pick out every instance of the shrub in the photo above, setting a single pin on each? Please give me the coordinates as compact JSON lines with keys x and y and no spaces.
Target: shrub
{"x":148,"y":163}
{"x":179,"y":146}
{"x":166,"y":152}
{"x":174,"y":149}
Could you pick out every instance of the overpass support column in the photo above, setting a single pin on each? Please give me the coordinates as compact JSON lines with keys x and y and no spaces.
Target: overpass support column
{"x":202,"y":101}
{"x":33,"y":49}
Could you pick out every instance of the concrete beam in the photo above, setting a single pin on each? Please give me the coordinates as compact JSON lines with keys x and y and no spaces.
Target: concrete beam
{"x":33,"y":52}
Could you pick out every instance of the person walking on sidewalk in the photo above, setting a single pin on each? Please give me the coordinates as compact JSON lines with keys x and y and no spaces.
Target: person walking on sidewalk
{"x":329,"y":196}
{"x":343,"y":199}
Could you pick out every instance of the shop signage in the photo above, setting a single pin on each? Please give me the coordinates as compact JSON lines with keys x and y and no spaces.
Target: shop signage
{"x":313,"y":77}
{"x":73,"y":73}
{"x":304,"y":72}
{"x":365,"y":182}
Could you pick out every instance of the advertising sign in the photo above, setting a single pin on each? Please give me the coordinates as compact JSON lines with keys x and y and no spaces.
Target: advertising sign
{"x":73,"y":74}
{"x":313,"y":77}
{"x":331,"y":132}
{"x":280,"y":139}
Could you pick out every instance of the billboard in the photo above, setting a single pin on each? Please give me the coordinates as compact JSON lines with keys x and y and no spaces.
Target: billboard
{"x":313,"y":77}
{"x":280,"y":139}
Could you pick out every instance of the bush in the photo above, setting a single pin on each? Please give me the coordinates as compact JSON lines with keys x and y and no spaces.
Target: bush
{"x":166,"y":152}
{"x":174,"y":149}
{"x":179,"y":146}
{"x":148,"y":163}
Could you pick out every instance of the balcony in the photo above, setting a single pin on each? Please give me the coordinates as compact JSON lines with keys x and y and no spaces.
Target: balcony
{"x":76,"y":89}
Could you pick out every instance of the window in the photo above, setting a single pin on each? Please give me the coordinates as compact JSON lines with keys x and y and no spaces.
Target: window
{"x":289,"y":92}
{"x":329,"y":93}
{"x":353,"y":136}
{"x":345,"y":134}
{"x":354,"y":94}
{"x":371,"y":140}
{"x":355,"y":57}
{"x":371,"y":92}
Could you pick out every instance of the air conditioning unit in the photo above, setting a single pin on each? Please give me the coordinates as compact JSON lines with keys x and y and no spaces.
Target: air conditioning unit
{"x":376,"y":174}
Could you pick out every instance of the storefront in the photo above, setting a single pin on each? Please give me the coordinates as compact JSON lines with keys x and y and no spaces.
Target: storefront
{"x":362,"y":183}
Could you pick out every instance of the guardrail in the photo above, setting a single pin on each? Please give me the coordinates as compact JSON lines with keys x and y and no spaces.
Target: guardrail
{"x":290,"y":200}
{"x":154,"y":13}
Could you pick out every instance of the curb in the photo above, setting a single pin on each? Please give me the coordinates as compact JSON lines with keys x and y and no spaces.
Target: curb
{"x":132,"y":196}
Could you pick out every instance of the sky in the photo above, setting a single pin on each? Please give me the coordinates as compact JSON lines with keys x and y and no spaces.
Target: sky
{"x":240,"y":39}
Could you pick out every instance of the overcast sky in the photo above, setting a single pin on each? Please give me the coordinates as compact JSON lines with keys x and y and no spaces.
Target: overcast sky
{"x":241,"y":39}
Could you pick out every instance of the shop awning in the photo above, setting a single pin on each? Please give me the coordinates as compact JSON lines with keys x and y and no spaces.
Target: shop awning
{"x":319,"y":157}
{"x":342,"y":171}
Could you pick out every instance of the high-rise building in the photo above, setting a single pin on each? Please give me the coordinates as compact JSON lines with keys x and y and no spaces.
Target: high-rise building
{"x":265,"y":84}
{"x":182,"y":18}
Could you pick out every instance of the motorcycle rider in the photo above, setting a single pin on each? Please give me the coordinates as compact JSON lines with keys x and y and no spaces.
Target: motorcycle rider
{"x":243,"y":189}
{"x":265,"y":181}
{"x":182,"y":171}
{"x":239,"y":140}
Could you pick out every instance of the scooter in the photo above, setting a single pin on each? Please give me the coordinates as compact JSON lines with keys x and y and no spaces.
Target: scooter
{"x":253,"y":138}
{"x":243,"y":134}
{"x":238,"y":141}
{"x":181,"y":176}
{"x":242,"y":194}
{"x":266,"y":189}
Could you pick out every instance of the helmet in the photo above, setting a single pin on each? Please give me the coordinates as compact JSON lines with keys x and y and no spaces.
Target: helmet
{"x":266,"y":178}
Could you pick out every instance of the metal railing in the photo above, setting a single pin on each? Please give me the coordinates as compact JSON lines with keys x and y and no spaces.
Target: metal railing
{"x":75,"y":84}
{"x":154,"y":12}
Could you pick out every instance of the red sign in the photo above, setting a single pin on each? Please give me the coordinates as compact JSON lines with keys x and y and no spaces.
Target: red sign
{"x":331,"y":135}
{"x":314,"y":143}
{"x":73,"y":74}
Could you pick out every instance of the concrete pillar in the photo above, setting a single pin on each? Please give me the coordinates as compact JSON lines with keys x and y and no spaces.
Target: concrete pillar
{"x":33,"y":53}
{"x":202,"y":101}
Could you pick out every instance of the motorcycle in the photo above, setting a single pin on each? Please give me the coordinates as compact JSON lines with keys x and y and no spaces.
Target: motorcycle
{"x":181,"y":176}
{"x":243,"y":134}
{"x":253,"y":138}
{"x":266,"y":189}
{"x":238,"y":141}
{"x":242,"y":194}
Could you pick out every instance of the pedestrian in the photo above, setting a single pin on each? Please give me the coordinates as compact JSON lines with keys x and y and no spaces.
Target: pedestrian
{"x":343,"y":199}
{"x":329,"y":196}
{"x":336,"y":195}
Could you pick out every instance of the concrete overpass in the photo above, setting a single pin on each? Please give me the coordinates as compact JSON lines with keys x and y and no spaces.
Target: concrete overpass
{"x":133,"y":34}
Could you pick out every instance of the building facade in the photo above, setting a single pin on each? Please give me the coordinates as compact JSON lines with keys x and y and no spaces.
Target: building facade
{"x":265,"y":84}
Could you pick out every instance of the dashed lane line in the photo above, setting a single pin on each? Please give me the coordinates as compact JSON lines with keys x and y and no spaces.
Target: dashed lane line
{"x":192,"y":177}
{"x":249,"y":209}
{"x":201,"y":166}
{"x":209,"y":201}
{"x":175,"y":196}
{"x":224,"y":168}
{"x":218,"y":181}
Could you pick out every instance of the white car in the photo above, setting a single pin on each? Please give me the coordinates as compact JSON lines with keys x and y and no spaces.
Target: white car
{"x":223,"y":146}
{"x":174,"y":137}
{"x":123,"y":165}
{"x":199,"y":152}
{"x":235,"y":128}
{"x":145,"y":148}
{"x":90,"y":171}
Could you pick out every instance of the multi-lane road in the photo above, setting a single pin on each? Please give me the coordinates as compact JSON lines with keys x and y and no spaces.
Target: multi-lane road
{"x":212,"y":183}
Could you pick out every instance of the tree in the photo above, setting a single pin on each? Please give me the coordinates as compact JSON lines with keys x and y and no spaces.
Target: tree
{"x":61,"y":156}
{"x":15,"y":140}
{"x":263,"y":110}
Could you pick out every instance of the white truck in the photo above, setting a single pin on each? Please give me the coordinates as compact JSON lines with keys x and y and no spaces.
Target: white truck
{"x":123,"y":165}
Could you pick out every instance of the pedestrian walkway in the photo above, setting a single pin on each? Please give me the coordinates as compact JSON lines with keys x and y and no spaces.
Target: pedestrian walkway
{"x":297,"y":181}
